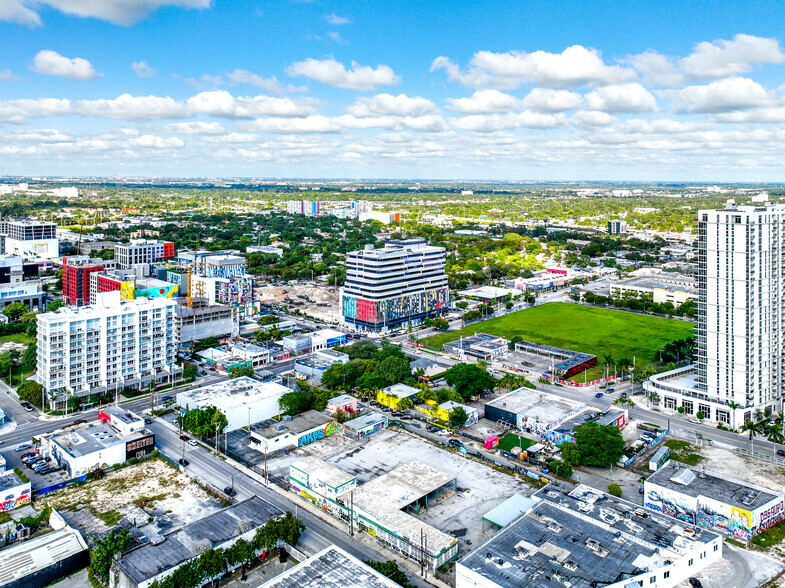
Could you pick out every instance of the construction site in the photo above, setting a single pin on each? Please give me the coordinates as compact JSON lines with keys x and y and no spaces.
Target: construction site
{"x":314,"y":300}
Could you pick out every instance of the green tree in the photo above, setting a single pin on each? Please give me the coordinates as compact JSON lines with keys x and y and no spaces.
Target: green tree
{"x":614,"y":490}
{"x":561,"y":468}
{"x":30,"y":357}
{"x":237,"y":372}
{"x":440,"y":324}
{"x":118,"y":541}
{"x":362,"y":349}
{"x":458,"y":417}
{"x":392,"y":571}
{"x":190,"y":371}
{"x":468,"y":379}
{"x":394,"y":370}
{"x":203,"y":344}
{"x":597,"y":445}
{"x":296,"y":402}
{"x":15,"y":310}
{"x":30,"y":391}
{"x":54,"y":305}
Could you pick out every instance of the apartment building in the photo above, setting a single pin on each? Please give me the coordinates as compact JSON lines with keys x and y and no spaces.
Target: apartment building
{"x":306,"y":207}
{"x":403,"y":282}
{"x":76,"y":279}
{"x":29,"y":239}
{"x":142,"y":251}
{"x":106,"y":346}
{"x":740,"y":332}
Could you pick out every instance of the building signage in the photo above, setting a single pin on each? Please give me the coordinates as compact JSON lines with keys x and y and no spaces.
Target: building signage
{"x":137,"y":446}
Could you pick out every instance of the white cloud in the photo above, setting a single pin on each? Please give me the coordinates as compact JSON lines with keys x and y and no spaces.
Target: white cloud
{"x":122,"y":12}
{"x":16,"y":11}
{"x":206,"y":81}
{"x":621,"y":98}
{"x":22,"y":110}
{"x":387,"y":104}
{"x":222,"y":104}
{"x":127,"y":107}
{"x":335,"y":37}
{"x":310,"y":124}
{"x":336,"y":20}
{"x":53,"y":64}
{"x":724,"y":58}
{"x":722,"y":96}
{"x":769,"y":114}
{"x":430,"y":123}
{"x":192,"y":128}
{"x":708,"y":60}
{"x":243,"y":76}
{"x":547,"y":100}
{"x":333,"y":73}
{"x":593,"y":118}
{"x":487,"y":123}
{"x":143,"y":69}
{"x":484,"y":102}
{"x":575,"y":66}
{"x":7,"y":76}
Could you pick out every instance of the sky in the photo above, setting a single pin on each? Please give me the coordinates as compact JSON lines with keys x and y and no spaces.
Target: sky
{"x":485,"y":90}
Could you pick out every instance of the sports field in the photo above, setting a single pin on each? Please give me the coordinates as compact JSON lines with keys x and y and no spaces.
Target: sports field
{"x":592,"y":330}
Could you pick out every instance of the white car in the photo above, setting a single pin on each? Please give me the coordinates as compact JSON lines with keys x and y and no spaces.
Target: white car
{"x":444,"y":433}
{"x":192,"y":442}
{"x":696,"y":421}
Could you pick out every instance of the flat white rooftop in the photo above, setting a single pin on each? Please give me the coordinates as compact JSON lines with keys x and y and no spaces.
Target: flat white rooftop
{"x":534,"y":404}
{"x":233,"y":393}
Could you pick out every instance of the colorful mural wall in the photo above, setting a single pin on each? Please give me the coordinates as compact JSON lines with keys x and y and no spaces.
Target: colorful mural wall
{"x":320,"y":433}
{"x":169,"y":291}
{"x":396,"y":310}
{"x":712,"y":514}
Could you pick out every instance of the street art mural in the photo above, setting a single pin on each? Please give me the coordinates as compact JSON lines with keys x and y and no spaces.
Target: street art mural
{"x":325,"y":431}
{"x":169,"y":291}
{"x":396,"y":310}
{"x":12,"y":502}
{"x":712,"y":514}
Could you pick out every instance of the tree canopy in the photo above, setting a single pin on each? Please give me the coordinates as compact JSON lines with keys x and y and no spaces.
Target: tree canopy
{"x":595,"y":445}
{"x":468,"y":379}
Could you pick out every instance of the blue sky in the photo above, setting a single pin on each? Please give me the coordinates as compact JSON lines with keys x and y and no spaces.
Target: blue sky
{"x":486,"y":90}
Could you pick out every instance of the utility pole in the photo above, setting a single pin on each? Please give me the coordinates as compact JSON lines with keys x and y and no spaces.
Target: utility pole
{"x":351,"y":513}
{"x":422,"y":553}
{"x":216,"y":438}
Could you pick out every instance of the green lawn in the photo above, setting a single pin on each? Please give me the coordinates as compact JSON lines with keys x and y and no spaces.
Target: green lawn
{"x":511,"y":440}
{"x":19,"y":338}
{"x":592,"y":330}
{"x":684,"y":452}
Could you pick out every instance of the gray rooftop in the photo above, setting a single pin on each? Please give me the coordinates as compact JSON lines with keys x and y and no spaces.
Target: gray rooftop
{"x":121,"y":414}
{"x":331,"y":568}
{"x":532,"y":403}
{"x":149,"y":560}
{"x":608,"y":417}
{"x":23,"y":559}
{"x":94,"y":438}
{"x":270,"y":428}
{"x":9,"y":480}
{"x":366,"y":420}
{"x":601,"y":545}
{"x":699,"y":483}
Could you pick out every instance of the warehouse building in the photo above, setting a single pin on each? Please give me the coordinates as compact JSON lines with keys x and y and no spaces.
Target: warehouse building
{"x":478,"y":346}
{"x":531,"y":410}
{"x":564,"y":362}
{"x":97,"y":447}
{"x":381,"y":507}
{"x":565,"y":431}
{"x":154,"y":561}
{"x":392,"y":396}
{"x":244,"y":401}
{"x":712,"y":501}
{"x":365,"y":425}
{"x":585,"y":538}
{"x":13,"y":491}
{"x":271,"y":436}
{"x":332,"y":567}
{"x":43,"y":560}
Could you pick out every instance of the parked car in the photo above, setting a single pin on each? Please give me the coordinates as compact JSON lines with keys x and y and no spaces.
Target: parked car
{"x":27,"y":406}
{"x":781,"y":452}
{"x":192,"y":442}
{"x":695,"y":583}
{"x":183,"y":438}
{"x":444,"y":433}
{"x":148,"y":421}
{"x":78,"y":422}
{"x":624,"y":395}
{"x":546,"y":469}
{"x":454,"y":443}
{"x":229,"y":491}
{"x":407,"y":417}
{"x":24,"y":446}
{"x":183,"y":462}
{"x":695,"y":421}
{"x":610,"y":391}
{"x":598,"y":395}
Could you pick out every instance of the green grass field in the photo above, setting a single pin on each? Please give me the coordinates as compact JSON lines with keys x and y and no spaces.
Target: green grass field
{"x":511,"y":440}
{"x":581,"y":328}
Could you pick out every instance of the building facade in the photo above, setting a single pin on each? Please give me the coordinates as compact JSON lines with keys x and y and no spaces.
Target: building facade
{"x":142,"y":251}
{"x":76,"y":279}
{"x":306,"y":207}
{"x":740,"y":331}
{"x":30,"y":239}
{"x":401,"y":283}
{"x":106,"y":346}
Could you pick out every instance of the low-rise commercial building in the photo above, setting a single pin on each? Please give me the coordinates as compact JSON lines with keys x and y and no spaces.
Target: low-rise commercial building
{"x":332,"y":567}
{"x":445,"y":408}
{"x":363,"y":426}
{"x":531,"y":411}
{"x":29,"y":239}
{"x":271,"y":436}
{"x":154,"y":561}
{"x":585,"y":538}
{"x":712,"y":501}
{"x":344,"y":403}
{"x":96,"y":447}
{"x":564,"y":362}
{"x":392,"y":396}
{"x":44,"y":560}
{"x":479,"y":346}
{"x":565,"y":430}
{"x":13,"y":491}
{"x":661,"y":286}
{"x":244,"y":401}
{"x":380,"y":507}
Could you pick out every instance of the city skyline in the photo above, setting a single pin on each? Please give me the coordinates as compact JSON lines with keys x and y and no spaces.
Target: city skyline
{"x":331,"y":89}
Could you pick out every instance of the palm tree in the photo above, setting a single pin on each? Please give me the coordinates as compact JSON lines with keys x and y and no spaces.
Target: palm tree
{"x":752,"y":428}
{"x":774,"y":433}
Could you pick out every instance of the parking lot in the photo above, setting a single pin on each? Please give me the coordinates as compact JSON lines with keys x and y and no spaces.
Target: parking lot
{"x":37,"y":481}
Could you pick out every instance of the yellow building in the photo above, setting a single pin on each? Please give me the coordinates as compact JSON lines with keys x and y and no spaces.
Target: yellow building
{"x":393,"y":395}
{"x":445,"y":408}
